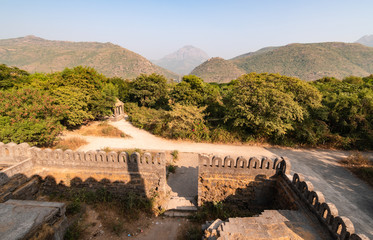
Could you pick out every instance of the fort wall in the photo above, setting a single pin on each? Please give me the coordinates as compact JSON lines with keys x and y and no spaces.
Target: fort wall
{"x":143,"y":173}
{"x":242,"y":182}
{"x":267,"y":183}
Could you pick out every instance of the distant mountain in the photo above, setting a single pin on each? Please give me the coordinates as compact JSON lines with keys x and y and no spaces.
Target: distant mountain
{"x":35,"y":54}
{"x":367,"y":40}
{"x":305,"y":61}
{"x":184,"y":60}
{"x":217,"y":70}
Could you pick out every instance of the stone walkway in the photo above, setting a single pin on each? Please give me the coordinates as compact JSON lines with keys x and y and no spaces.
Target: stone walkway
{"x":352,"y":197}
{"x":183,"y":185}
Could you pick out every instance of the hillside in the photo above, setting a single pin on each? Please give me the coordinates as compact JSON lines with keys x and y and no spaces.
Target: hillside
{"x":40,"y":55}
{"x":217,"y":70}
{"x":184,"y":60}
{"x":366,"y":40}
{"x":306,"y":61}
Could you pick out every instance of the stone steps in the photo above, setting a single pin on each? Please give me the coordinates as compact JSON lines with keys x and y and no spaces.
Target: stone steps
{"x":270,"y":224}
{"x":180,"y":206}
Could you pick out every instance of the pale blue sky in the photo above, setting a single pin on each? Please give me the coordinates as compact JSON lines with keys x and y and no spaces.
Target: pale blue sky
{"x":156,"y":28}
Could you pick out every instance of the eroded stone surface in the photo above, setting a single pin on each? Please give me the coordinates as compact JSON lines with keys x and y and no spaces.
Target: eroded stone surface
{"x":20,"y":219}
{"x":271,"y":224}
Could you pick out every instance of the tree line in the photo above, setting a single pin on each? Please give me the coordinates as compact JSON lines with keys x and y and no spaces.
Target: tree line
{"x":252,"y":108}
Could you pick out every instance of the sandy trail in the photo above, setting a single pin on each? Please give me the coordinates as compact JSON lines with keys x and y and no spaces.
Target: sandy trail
{"x":352,"y":197}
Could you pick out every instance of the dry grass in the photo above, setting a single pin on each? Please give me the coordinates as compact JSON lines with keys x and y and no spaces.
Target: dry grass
{"x":361,"y":166}
{"x":72,"y":143}
{"x":102,"y":129}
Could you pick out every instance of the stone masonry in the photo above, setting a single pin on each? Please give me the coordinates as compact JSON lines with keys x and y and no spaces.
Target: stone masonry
{"x":266,"y":184}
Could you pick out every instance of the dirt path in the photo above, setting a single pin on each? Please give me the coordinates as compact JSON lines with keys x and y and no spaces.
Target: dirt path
{"x":352,"y":197}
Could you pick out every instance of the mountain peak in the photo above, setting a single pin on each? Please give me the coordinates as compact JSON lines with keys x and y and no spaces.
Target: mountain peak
{"x":184,"y":60}
{"x":366,"y":40}
{"x":32,"y":37}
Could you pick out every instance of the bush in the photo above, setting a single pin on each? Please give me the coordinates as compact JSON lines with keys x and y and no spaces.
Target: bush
{"x":29,"y":115}
{"x":175,"y":155}
{"x":221,"y":135}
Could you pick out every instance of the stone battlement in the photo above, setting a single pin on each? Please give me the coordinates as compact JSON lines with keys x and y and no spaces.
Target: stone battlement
{"x":147,"y":169}
{"x":241,"y":165}
{"x":340,"y":227}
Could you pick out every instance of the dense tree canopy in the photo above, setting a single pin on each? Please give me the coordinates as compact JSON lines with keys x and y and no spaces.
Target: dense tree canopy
{"x":44,"y":103}
{"x":268,"y":104}
{"x":29,"y":115}
{"x":328,"y":112}
{"x":10,"y":76}
{"x":348,"y":109}
{"x":149,"y":91}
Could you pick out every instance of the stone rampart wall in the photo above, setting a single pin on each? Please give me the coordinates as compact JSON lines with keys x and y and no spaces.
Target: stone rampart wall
{"x":19,"y":168}
{"x":244,"y":182}
{"x":339,"y":226}
{"x":138,"y":171}
{"x":258,"y":182}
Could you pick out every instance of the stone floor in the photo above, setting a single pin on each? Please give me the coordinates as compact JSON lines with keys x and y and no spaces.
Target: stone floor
{"x":23,"y":219}
{"x":271,"y":224}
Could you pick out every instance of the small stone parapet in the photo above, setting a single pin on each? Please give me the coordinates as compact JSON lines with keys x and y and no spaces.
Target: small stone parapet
{"x":340,"y":227}
{"x":240,"y":181}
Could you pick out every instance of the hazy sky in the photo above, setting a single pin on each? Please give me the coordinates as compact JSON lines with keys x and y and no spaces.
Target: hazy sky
{"x":221,"y":28}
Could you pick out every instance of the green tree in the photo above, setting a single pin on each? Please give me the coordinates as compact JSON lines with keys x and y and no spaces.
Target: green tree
{"x":185,"y":122}
{"x":192,"y":90}
{"x":268,"y":104}
{"x":149,"y":91}
{"x":88,"y":94}
{"x":11,"y":76}
{"x":29,"y":115}
{"x":348,"y":110}
{"x":122,"y":87}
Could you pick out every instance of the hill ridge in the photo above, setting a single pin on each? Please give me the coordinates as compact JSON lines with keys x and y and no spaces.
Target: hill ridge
{"x":308,"y":61}
{"x":37,"y":54}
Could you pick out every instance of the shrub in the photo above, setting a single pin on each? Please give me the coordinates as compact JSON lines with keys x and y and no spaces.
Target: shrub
{"x":29,"y":115}
{"x":175,"y":155}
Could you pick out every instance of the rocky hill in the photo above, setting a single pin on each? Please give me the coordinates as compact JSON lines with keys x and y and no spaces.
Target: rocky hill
{"x":35,"y":54}
{"x":184,"y":60}
{"x":367,"y":40}
{"x":217,"y":70}
{"x":306,"y":61}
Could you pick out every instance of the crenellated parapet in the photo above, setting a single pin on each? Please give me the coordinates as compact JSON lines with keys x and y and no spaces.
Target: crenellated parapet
{"x":339,"y":226}
{"x":14,"y":152}
{"x":241,"y":181}
{"x":91,"y":159}
{"x":241,"y":165}
{"x":146,"y":171}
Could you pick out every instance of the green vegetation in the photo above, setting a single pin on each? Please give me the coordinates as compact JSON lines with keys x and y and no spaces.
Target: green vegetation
{"x":268,"y":104}
{"x":305,"y":61}
{"x":129,"y":206}
{"x":36,"y":108}
{"x":252,"y":108}
{"x":175,"y":155}
{"x":260,"y":108}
